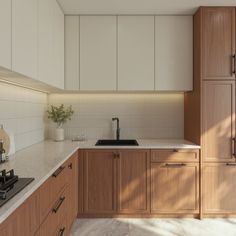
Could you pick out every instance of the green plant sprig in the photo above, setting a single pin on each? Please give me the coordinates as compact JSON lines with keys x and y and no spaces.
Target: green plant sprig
{"x":60,"y":114}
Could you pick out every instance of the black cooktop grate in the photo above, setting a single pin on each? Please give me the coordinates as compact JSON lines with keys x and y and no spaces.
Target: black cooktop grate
{"x":16,"y":188}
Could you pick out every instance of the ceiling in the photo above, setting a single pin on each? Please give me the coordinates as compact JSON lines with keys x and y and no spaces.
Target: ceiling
{"x":138,"y":6}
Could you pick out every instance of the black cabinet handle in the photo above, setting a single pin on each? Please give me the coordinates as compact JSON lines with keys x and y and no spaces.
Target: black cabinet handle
{"x":58,"y":171}
{"x":234,"y":64}
{"x":175,"y":165}
{"x":61,"y":231}
{"x":114,"y":155}
{"x":70,"y":166}
{"x":234,"y":146}
{"x":231,"y":164}
{"x":57,"y":207}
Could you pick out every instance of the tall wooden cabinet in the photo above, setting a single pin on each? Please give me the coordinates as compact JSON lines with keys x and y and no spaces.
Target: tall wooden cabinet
{"x":210,"y":108}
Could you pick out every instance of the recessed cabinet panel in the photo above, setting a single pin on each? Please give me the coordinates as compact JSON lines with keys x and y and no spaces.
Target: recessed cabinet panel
{"x":5,"y":28}
{"x":173,"y":53}
{"x":174,"y":187}
{"x":99,"y":182}
{"x":72,"y":52}
{"x":98,"y":53}
{"x":24,"y":37}
{"x":218,"y":124}
{"x":218,"y":42}
{"x":135,"y":53}
{"x":133,"y":184}
{"x":219,"y":188}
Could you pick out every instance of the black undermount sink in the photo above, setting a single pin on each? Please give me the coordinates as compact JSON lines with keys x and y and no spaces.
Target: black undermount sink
{"x":113,"y":142}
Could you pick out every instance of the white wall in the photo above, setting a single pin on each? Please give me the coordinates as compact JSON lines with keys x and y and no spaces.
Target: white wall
{"x":23,"y":112}
{"x":141,"y":115}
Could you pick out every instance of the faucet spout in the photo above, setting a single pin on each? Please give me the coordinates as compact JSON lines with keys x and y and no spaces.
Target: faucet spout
{"x":117,"y":127}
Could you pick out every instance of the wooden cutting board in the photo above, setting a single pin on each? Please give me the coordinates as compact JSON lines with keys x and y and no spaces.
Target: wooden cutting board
{"x":6,"y":140}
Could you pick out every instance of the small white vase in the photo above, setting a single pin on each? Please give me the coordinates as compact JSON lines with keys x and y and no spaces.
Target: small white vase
{"x":59,"y":134}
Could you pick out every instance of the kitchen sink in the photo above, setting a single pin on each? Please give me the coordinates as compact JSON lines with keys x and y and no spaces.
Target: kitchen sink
{"x":114,"y":142}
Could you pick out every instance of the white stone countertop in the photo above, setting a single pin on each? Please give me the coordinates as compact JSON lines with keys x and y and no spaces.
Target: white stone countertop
{"x":41,"y":160}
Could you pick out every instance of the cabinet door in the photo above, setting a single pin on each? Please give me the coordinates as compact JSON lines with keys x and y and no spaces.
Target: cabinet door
{"x":45,"y":40}
{"x":218,"y":42}
{"x":173,"y":53}
{"x":58,"y":46}
{"x":219,"y":188}
{"x":133,"y":181}
{"x":218,"y":121}
{"x":174,"y":188}
{"x":98,"y":53}
{"x":99,"y":182}
{"x":72,"y":52}
{"x":50,"y":43}
{"x":24,"y":37}
{"x":72,"y":189}
{"x":136,"y":53}
{"x":5,"y":28}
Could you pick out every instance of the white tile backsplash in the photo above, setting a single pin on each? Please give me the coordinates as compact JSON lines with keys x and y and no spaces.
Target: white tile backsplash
{"x":141,"y":115}
{"x":22,"y":111}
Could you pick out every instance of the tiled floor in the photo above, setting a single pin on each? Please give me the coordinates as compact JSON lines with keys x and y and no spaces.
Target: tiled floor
{"x":154,"y":227}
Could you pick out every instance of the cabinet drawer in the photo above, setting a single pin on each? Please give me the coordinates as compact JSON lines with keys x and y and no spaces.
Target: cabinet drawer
{"x":174,"y":155}
{"x":56,"y":215}
{"x":50,"y":190}
{"x":61,"y":229}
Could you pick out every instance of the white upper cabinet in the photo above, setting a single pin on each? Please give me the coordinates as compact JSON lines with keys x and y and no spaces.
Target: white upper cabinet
{"x":5,"y":28}
{"x":50,"y":43}
{"x":98,"y":46}
{"x":58,"y":46}
{"x":72,"y":52}
{"x":45,"y":40}
{"x":136,"y":53}
{"x":173,"y":53}
{"x":24,"y":37}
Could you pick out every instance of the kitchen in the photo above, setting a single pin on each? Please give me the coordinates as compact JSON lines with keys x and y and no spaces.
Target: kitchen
{"x":117,"y":117}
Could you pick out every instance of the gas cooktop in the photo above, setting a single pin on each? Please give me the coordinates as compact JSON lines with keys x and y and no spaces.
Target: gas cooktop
{"x":10,"y":185}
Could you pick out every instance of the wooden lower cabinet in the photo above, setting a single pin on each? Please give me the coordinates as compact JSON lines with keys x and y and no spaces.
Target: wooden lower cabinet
{"x":126,"y":182}
{"x":99,"y":181}
{"x":174,"y":188}
{"x":116,"y":181}
{"x":133,"y":181}
{"x":24,"y":221}
{"x":219,"y":188}
{"x":50,"y":210}
{"x":72,"y":189}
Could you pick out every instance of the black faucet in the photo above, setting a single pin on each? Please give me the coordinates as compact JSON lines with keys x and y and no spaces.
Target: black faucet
{"x":117,"y":127}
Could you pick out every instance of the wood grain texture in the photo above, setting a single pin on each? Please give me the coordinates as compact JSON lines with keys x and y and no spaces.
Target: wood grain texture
{"x":218,"y":124}
{"x":192,"y":100}
{"x":99,"y":181}
{"x":218,"y":29}
{"x":219,"y":188}
{"x":50,"y":190}
{"x":25,"y":220}
{"x":174,"y":189}
{"x":133,"y":181}
{"x":53,"y":219}
{"x":175,"y":155}
{"x":72,"y":189}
